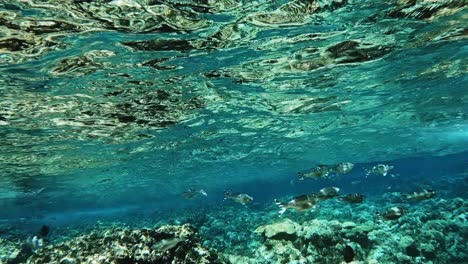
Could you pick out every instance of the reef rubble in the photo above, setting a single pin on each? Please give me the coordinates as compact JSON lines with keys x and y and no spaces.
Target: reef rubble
{"x":166,"y":244}
{"x":435,"y":233}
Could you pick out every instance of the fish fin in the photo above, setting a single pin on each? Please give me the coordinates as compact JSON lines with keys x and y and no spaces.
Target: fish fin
{"x":291,"y":182}
{"x":282,"y":206}
{"x":300,"y":176}
{"x":282,"y":210}
{"x":404,"y":198}
{"x":39,"y":191}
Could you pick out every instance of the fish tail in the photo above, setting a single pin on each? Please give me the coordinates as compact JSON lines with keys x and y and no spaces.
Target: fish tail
{"x":292,"y":182}
{"x":300,"y":176}
{"x":227,"y":194}
{"x":40,"y":190}
{"x":367,"y":171}
{"x":404,"y":197}
{"x":282,"y":206}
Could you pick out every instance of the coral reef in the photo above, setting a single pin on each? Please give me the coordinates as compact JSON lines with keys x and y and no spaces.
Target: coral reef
{"x":12,"y":251}
{"x":433,"y":232}
{"x":280,"y":230}
{"x":166,"y":244}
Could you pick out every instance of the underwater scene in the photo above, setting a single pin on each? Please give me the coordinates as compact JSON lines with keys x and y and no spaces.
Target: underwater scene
{"x":233,"y":131}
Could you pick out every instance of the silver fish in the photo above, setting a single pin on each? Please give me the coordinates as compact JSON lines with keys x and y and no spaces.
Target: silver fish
{"x":353,"y":198}
{"x":299,"y":203}
{"x":343,"y":168}
{"x":166,"y":244}
{"x":419,"y":196}
{"x":393,"y":213}
{"x":328,"y":193}
{"x":241,"y":198}
{"x":192,"y":192}
{"x":29,"y":195}
{"x":320,"y":171}
{"x":379,"y":169}
{"x":35,"y":242}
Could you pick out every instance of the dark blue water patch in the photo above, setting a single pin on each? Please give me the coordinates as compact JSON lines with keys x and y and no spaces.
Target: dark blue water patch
{"x":243,"y":87}
{"x":216,"y":59}
{"x":27,"y":85}
{"x":11,"y":7}
{"x":18,"y":70}
{"x":453,"y":86}
{"x":34,"y":12}
{"x":413,"y":60}
{"x":114,"y":38}
{"x":25,"y":76}
{"x":100,"y":40}
{"x":31,"y":132}
{"x":287,"y":32}
{"x":219,"y":18}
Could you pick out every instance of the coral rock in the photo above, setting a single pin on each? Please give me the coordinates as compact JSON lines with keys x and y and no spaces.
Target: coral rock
{"x":129,"y":246}
{"x":286,"y":230}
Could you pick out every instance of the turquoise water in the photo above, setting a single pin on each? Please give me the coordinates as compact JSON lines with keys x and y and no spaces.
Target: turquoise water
{"x":111,"y":110}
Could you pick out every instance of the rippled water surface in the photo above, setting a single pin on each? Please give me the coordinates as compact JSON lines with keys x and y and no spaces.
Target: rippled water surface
{"x":108,"y":107}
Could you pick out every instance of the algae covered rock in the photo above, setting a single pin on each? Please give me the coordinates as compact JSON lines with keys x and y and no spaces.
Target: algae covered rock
{"x":280,"y":251}
{"x":167,"y":244}
{"x":434,"y":232}
{"x":286,"y":230}
{"x":314,"y":241}
{"x":11,"y":252}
